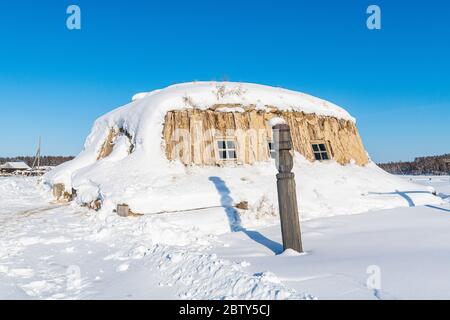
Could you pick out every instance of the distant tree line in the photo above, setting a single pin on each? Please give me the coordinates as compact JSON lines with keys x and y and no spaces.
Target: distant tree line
{"x":435,"y":165}
{"x":45,"y":160}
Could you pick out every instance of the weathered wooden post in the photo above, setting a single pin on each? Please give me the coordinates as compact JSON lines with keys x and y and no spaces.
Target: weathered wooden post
{"x":287,"y":195}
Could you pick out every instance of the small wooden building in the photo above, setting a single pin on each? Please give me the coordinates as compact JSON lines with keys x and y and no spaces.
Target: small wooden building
{"x":14,"y":167}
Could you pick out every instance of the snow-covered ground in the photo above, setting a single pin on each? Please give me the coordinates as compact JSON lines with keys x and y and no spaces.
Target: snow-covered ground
{"x":440,"y":183}
{"x":55,"y":251}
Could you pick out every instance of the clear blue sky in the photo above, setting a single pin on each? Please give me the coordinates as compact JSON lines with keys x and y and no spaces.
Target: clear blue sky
{"x":396,"y":81}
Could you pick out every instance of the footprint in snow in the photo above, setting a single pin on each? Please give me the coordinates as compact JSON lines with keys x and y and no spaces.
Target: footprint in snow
{"x":69,"y":250}
{"x":123,"y":267}
{"x":23,"y":273}
{"x":37,"y":288}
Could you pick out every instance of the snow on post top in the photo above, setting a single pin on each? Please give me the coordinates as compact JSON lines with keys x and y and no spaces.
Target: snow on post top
{"x":275,"y":121}
{"x":203,"y":95}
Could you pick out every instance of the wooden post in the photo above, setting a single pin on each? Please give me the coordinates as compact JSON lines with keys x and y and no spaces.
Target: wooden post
{"x":287,"y":195}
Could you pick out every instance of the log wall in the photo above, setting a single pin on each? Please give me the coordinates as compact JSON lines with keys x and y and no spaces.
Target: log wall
{"x":190,"y":135}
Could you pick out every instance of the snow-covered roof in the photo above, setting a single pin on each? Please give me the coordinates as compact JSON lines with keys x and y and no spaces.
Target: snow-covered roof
{"x":20,"y":165}
{"x":203,"y":95}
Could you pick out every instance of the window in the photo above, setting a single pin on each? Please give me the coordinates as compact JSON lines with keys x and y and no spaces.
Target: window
{"x":272,"y":151}
{"x":320,"y":151}
{"x":227,"y":149}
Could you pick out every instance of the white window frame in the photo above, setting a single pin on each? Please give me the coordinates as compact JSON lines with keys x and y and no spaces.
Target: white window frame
{"x":227,"y":149}
{"x":320,"y":152}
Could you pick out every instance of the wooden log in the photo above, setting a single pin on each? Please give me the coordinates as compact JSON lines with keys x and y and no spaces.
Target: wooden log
{"x":58,"y":190}
{"x":123,"y":210}
{"x":108,"y":145}
{"x":287,"y":195}
{"x":243,"y":205}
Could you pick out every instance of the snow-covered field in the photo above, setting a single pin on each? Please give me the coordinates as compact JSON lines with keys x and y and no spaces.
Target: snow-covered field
{"x":55,"y":251}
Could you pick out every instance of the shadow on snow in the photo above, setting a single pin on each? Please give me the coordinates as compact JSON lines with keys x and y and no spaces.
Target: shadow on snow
{"x":437,"y":208}
{"x":234,"y":219}
{"x":403,"y":194}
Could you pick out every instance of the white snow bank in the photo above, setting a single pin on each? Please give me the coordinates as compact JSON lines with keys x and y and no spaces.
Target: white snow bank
{"x":323,"y":189}
{"x":441,"y":184}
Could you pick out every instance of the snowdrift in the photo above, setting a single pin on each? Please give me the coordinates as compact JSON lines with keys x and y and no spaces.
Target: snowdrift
{"x":149,"y":183}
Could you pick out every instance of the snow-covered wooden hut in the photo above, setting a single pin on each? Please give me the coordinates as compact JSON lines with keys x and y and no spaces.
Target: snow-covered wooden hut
{"x":12,"y":167}
{"x":159,"y":152}
{"x":228,"y":123}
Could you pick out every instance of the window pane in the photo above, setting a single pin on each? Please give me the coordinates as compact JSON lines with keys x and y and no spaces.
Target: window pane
{"x":222,"y":154}
{"x":221,"y":144}
{"x":324,"y":156}
{"x":315,"y":147}
{"x":271,"y":146}
{"x":232,"y":154}
{"x":317,"y":155}
{"x":322,"y":147}
{"x":230,"y":145}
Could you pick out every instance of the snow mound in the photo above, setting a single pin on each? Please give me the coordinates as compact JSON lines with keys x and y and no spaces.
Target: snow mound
{"x":138,"y":173}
